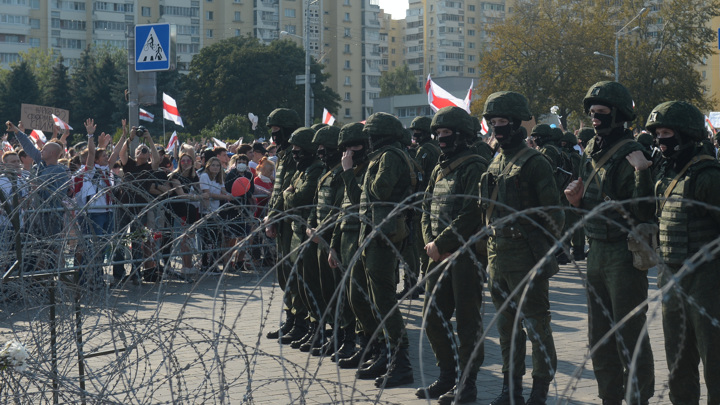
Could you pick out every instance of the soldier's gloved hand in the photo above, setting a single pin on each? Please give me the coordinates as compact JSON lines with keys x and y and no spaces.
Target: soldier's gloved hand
{"x":574,"y":192}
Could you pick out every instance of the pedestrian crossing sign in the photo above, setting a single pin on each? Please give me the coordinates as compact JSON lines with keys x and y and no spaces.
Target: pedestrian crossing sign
{"x":152,"y":47}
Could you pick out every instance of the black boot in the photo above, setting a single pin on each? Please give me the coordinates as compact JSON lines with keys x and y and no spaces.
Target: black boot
{"x":612,"y":401}
{"x":465,"y":394}
{"x":506,"y":396}
{"x":562,"y":257}
{"x":298,"y":330}
{"x":284,"y":328}
{"x":360,"y":355}
{"x":539,"y":393}
{"x":316,"y":340}
{"x":378,"y":366}
{"x":579,"y":254}
{"x":444,"y":383}
{"x":399,"y":371}
{"x":347,"y":348}
{"x":309,"y":333}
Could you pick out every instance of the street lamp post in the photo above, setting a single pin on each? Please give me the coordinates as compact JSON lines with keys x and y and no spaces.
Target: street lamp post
{"x":616,"y":58}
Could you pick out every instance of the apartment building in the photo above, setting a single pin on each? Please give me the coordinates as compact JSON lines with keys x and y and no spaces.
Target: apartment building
{"x":343,"y":34}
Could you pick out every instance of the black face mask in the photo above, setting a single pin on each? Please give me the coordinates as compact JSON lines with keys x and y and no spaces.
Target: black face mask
{"x":329,"y":156}
{"x":359,"y":156}
{"x":279,"y":139}
{"x":509,"y":136}
{"x":451,"y":143}
{"x":606,"y":121}
{"x":672,"y":144}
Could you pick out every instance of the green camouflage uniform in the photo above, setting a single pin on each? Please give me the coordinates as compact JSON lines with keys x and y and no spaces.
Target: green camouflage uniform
{"x":691,"y":310}
{"x":426,"y":156}
{"x":451,"y":215}
{"x":615,"y":287}
{"x":515,"y":248}
{"x":387,"y":182}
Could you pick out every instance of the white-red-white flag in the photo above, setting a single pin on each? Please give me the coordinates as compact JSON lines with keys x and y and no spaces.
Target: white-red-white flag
{"x":327,"y":117}
{"x":709,"y":125}
{"x":60,"y":123}
{"x":39,"y":137}
{"x":172,"y":142}
{"x":484,"y":128}
{"x":170,"y":110}
{"x":144,"y":115}
{"x":439,"y":97}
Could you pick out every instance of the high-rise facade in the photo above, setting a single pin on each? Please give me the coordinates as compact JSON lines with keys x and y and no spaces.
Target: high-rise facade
{"x":343,"y":34}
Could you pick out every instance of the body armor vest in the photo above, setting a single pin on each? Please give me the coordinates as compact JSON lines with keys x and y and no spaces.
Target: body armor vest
{"x":514,"y":192}
{"x":299,"y":181}
{"x":284,"y":173}
{"x":604,"y":226}
{"x":684,"y":227}
{"x":350,"y":209}
{"x":446,"y":201}
{"x":330,"y":185}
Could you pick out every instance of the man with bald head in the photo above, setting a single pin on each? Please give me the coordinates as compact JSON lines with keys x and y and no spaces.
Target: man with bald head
{"x":50,"y":180}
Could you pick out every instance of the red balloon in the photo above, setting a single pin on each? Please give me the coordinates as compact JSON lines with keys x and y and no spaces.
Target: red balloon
{"x":240,"y":186}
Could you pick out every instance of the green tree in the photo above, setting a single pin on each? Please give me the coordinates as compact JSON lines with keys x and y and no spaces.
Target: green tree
{"x":398,"y":82}
{"x":82,"y":78}
{"x":19,"y":86}
{"x":58,"y":92}
{"x":241,"y":75}
{"x":545,"y":50}
{"x":231,"y":128}
{"x":41,"y":62}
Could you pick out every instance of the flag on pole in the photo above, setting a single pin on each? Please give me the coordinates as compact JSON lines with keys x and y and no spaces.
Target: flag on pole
{"x":219,"y":143}
{"x":172,"y":142}
{"x":170,"y":110}
{"x":60,"y":123}
{"x":709,"y":125}
{"x":327,"y":117}
{"x":39,"y":137}
{"x":144,"y":115}
{"x":439,"y":97}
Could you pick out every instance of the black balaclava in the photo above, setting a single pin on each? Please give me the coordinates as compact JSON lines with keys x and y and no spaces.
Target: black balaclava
{"x":510,"y":134}
{"x":679,"y":149}
{"x":454,"y":143}
{"x":280,"y":138}
{"x":359,"y":156}
{"x":302,"y":158}
{"x":329,"y":156}
{"x":421,"y":137}
{"x":378,"y":141}
{"x":611,"y":128}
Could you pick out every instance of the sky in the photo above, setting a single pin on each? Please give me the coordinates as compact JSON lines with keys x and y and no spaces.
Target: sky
{"x":395,"y":7}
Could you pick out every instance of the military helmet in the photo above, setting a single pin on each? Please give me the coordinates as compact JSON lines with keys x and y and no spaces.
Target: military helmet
{"x":407,"y":136}
{"x":382,"y":125}
{"x":586,"y":134}
{"x":421,"y":124}
{"x":645,"y":139}
{"x":541,"y":131}
{"x":454,"y":118}
{"x":569,"y":138}
{"x":556,"y":135}
{"x":680,"y":116}
{"x":611,"y":94}
{"x":507,"y":104}
{"x":327,"y":136}
{"x":352,"y":133}
{"x":283,"y":118}
{"x":316,"y":127}
{"x":303,"y":138}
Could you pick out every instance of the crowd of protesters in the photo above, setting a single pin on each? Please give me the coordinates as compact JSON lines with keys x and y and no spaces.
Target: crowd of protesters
{"x":131,"y":204}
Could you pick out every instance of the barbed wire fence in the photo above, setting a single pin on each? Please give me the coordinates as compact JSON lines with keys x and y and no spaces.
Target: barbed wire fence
{"x":199,"y":337}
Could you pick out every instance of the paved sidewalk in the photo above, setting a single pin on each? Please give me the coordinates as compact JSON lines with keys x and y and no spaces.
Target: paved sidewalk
{"x":204,"y":343}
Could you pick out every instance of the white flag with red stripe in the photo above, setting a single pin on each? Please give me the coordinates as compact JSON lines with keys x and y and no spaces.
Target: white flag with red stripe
{"x":484,"y":128}
{"x":439,"y":97}
{"x":39,"y":137}
{"x":60,"y":123}
{"x":170,"y":110}
{"x":327,"y":117}
{"x":172,"y":142}
{"x":7,"y":147}
{"x":709,"y":125}
{"x":144,"y":115}
{"x":219,"y":143}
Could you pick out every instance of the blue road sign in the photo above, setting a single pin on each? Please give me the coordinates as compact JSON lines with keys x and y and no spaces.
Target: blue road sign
{"x":152,"y":47}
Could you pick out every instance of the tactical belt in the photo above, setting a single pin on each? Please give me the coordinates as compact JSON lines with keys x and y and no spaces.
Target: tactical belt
{"x":506,"y":232}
